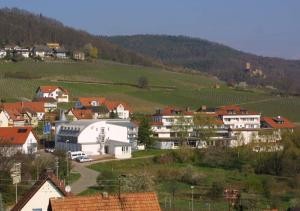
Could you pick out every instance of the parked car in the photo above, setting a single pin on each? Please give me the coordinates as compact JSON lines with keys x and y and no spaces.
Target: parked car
{"x":76,"y":154}
{"x":83,"y":159}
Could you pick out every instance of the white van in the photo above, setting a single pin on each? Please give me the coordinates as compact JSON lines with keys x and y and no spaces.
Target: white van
{"x":76,"y":154}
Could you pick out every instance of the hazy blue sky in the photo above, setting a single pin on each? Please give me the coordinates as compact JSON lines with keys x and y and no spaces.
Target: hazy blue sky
{"x":264,"y":27}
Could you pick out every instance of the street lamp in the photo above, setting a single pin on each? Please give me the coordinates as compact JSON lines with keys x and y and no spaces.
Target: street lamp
{"x":192,"y":187}
{"x":67,"y":144}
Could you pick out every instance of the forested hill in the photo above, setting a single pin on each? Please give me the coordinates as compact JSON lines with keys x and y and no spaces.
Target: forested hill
{"x":25,"y":29}
{"x":224,"y":62}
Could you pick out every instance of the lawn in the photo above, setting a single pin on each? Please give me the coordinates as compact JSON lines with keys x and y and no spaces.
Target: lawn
{"x":190,"y":90}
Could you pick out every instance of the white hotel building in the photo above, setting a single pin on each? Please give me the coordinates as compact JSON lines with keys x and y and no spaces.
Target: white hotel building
{"x":243,"y":124}
{"x":97,"y":137}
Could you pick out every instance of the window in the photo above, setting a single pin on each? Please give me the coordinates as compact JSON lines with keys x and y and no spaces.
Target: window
{"x":37,"y":209}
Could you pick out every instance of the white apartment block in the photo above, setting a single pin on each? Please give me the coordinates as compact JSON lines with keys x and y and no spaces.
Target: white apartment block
{"x":97,"y":137}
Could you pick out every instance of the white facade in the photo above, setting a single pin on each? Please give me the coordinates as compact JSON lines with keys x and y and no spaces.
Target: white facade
{"x":96,"y":137}
{"x":4,"y":119}
{"x":40,"y":200}
{"x":59,"y":95}
{"x":2,"y":54}
{"x":122,"y":112}
{"x":245,"y":121}
{"x":29,"y":147}
{"x":167,"y":126}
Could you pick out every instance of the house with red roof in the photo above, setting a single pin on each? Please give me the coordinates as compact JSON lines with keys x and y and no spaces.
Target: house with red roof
{"x":58,"y":93}
{"x":277,"y":123}
{"x":115,"y":108}
{"x":38,"y":197}
{"x":21,"y":114}
{"x":17,"y":139}
{"x":147,"y":201}
{"x":167,"y":125}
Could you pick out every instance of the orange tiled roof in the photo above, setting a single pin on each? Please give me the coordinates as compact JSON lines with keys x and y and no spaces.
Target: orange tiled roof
{"x":48,"y":176}
{"x":127,"y":201}
{"x":82,"y":113}
{"x":234,"y":110}
{"x":14,"y":135}
{"x":170,"y":111}
{"x":111,"y":105}
{"x":19,"y":106}
{"x":278,"y":122}
{"x":86,"y":101}
{"x":49,"y":89}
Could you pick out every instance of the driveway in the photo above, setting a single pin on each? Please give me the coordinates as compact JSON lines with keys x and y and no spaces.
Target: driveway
{"x":87,"y":179}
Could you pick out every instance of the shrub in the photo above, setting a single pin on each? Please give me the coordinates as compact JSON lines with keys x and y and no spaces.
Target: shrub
{"x":107,"y":180}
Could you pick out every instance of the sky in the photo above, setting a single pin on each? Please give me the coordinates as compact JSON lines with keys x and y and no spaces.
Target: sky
{"x":263,"y":27}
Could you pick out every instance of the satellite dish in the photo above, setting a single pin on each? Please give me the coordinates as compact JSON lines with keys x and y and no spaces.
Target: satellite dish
{"x":68,"y":188}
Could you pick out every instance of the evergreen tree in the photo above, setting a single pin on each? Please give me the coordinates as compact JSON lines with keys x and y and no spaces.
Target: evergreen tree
{"x":145,"y":132}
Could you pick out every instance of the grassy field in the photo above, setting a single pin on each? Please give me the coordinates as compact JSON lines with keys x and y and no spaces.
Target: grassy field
{"x":190,"y":90}
{"x":250,"y":184}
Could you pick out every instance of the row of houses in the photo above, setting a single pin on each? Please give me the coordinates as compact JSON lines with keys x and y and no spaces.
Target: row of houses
{"x":230,"y":126}
{"x":49,"y":50}
{"x":95,"y":125}
{"x":99,"y":126}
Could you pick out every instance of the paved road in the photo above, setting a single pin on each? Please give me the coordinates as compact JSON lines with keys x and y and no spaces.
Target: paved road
{"x":88,"y":176}
{"x":87,"y":179}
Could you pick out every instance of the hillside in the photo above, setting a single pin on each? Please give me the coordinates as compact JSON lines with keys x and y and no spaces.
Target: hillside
{"x":118,"y":81}
{"x":224,"y":62}
{"x":26,"y":29}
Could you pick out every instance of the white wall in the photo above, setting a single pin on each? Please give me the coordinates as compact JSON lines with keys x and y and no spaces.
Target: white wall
{"x":42,"y":196}
{"x":30,"y":140}
{"x":117,"y":133}
{"x":119,"y":154}
{"x":3,"y":119}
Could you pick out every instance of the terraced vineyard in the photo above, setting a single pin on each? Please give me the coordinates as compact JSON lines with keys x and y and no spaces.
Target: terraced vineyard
{"x":189,"y":90}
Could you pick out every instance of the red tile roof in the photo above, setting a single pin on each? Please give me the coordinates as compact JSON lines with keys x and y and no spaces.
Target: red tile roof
{"x":111,"y":105}
{"x":14,"y":135}
{"x":233,"y":110}
{"x":86,"y":101}
{"x":47,"y":176}
{"x":49,"y":89}
{"x":127,"y":201}
{"x":278,"y":122}
{"x":171,"y":111}
{"x":35,"y":106}
{"x":82,"y":113}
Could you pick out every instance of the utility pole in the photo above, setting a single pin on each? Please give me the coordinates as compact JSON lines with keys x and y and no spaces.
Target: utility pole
{"x":15,"y":173}
{"x":67,"y":142}
{"x":56,"y":166}
{"x":37,"y":166}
